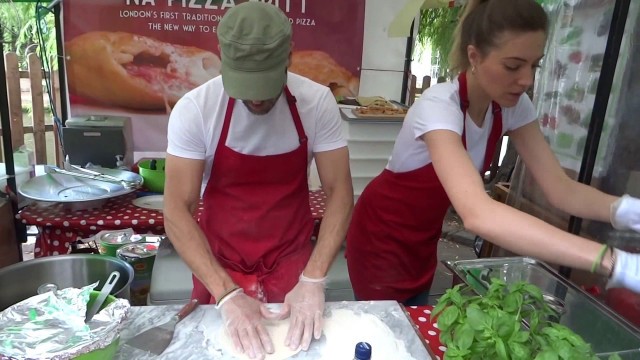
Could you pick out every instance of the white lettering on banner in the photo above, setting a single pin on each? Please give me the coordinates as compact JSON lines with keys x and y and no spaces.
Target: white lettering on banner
{"x":169,"y":15}
{"x":141,"y":2}
{"x":136,"y":13}
{"x":227,"y":4}
{"x":287,"y":4}
{"x":201,"y":17}
{"x":305,"y":22}
{"x":173,"y":27}
{"x":193,"y":4}
{"x":189,"y":27}
{"x":208,"y":4}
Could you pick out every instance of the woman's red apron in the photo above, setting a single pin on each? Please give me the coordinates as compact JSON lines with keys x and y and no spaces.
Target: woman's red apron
{"x":392,"y":242}
{"x":256,"y":216}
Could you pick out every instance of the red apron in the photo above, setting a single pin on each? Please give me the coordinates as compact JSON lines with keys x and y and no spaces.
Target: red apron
{"x":257,"y":217}
{"x":392,"y":242}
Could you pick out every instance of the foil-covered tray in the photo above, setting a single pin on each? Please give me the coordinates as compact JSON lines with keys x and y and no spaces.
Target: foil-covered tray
{"x":52,"y":325}
{"x":55,"y":187}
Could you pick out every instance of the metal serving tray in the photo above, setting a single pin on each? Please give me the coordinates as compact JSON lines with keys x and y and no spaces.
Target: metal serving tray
{"x":55,"y":187}
{"x":598,"y":325}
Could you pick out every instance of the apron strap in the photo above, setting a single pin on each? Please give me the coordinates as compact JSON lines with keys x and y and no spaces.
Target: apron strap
{"x":291,"y":101}
{"x":227,"y":121}
{"x":496,"y":126}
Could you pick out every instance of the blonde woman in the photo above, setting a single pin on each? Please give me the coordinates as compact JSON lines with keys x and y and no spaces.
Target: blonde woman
{"x":448,"y":138}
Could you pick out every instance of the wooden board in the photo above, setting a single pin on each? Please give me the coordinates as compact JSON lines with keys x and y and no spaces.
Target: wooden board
{"x":360,"y":115}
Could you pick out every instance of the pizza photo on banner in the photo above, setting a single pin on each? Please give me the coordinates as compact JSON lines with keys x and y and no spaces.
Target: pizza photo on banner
{"x":138,"y":57}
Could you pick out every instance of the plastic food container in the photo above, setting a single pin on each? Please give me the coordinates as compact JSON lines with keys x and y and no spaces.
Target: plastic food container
{"x":152,"y":171}
{"x":606,"y":331}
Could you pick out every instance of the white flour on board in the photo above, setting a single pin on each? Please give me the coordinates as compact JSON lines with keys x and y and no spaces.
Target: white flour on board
{"x":277,"y":331}
{"x":342,"y":331}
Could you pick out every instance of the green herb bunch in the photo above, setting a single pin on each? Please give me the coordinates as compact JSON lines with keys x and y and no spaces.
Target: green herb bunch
{"x":492,"y":326}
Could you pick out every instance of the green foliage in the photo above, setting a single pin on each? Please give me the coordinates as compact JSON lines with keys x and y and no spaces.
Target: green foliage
{"x":19,"y":30}
{"x":436,"y":29}
{"x":492,"y":326}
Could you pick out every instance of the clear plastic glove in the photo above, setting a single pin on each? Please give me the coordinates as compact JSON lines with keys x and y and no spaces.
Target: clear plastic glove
{"x":625,"y":213}
{"x":626,"y":271}
{"x":305,"y":302}
{"x":243,"y":319}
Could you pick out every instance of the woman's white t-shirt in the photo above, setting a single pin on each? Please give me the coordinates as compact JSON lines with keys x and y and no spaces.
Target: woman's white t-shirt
{"x":196,"y":122}
{"x":438,"y":108}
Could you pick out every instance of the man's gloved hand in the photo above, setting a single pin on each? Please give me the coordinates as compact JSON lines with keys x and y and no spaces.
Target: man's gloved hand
{"x":625,"y":213}
{"x":626,"y":271}
{"x":242,"y":316}
{"x":306,"y":304}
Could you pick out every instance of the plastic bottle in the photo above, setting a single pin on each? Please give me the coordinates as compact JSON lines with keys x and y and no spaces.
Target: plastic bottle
{"x":363,"y":351}
{"x":120,"y":163}
{"x":25,"y":158}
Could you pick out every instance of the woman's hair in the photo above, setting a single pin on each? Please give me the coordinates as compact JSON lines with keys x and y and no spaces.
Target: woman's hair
{"x":483,"y":21}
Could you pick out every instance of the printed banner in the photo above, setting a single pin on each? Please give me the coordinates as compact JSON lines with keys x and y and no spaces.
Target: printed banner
{"x":138,"y":57}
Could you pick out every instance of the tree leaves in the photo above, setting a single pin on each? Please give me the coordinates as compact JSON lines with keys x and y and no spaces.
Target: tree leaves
{"x":19,"y":31}
{"x":436,"y":28}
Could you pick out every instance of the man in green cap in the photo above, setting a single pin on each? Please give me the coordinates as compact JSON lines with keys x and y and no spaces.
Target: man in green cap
{"x":244,"y":142}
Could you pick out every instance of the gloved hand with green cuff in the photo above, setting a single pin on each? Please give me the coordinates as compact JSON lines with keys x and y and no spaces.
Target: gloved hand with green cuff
{"x":625,"y":213}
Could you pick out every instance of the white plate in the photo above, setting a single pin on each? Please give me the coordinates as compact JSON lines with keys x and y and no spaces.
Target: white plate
{"x":153,"y":202}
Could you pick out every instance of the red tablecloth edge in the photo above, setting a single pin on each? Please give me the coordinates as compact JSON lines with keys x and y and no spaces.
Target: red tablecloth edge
{"x":421,"y":318}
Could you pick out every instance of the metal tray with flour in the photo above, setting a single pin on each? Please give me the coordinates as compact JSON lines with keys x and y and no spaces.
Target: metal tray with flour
{"x":199,"y":335}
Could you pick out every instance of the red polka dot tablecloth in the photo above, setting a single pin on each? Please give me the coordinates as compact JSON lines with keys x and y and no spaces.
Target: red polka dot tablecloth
{"x":59,"y":226}
{"x":421,"y":315}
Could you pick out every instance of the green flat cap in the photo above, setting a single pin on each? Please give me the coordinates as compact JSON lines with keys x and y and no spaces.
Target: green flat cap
{"x":255,"y":43}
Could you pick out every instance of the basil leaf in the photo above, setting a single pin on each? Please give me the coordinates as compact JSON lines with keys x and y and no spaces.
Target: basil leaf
{"x":464,"y":337}
{"x":504,"y":325}
{"x":547,"y":355}
{"x":448,"y":317}
{"x":519,"y":351}
{"x":501,"y":349}
{"x":455,"y":353}
{"x":520,"y":336}
{"x":477,"y":319}
{"x":513,"y":302}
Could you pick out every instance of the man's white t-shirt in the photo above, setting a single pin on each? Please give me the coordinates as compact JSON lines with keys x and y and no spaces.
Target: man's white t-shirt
{"x":195,"y":124}
{"x":438,"y":108}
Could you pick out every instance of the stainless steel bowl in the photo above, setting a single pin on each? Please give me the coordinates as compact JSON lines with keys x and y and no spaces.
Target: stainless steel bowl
{"x":21,"y":281}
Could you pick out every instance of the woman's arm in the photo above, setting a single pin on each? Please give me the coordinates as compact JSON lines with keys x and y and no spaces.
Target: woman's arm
{"x":503,"y":225}
{"x":561,"y":191}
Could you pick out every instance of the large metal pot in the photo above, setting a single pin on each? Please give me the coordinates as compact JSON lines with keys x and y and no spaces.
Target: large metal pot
{"x":21,"y":281}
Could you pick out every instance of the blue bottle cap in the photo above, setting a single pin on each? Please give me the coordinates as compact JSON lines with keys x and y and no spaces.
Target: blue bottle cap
{"x":363,"y":351}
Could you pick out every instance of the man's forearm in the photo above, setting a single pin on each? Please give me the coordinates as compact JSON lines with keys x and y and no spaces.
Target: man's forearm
{"x":332,"y":232}
{"x":191,"y":243}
